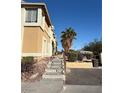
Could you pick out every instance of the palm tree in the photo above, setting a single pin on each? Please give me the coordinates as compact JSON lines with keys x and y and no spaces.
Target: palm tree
{"x":67,"y":37}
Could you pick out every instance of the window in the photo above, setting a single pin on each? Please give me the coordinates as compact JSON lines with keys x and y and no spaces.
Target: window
{"x":31,"y":15}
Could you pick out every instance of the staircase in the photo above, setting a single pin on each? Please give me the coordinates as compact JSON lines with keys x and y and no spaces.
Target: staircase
{"x":55,"y":69}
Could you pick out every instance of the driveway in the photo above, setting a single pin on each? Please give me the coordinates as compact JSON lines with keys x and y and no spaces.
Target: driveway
{"x":82,"y":89}
{"x":83,"y":80}
{"x":83,"y":76}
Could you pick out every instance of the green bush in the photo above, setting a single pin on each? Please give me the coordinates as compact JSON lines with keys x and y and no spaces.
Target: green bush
{"x":72,"y":56}
{"x":80,"y":56}
{"x":27,"y":59}
{"x":27,"y":64}
{"x":89,"y":56}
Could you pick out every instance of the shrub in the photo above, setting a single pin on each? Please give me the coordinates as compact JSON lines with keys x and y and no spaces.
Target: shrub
{"x":89,"y":56}
{"x":72,"y":56}
{"x":27,"y":64}
{"x":80,"y":56}
{"x":94,"y":46}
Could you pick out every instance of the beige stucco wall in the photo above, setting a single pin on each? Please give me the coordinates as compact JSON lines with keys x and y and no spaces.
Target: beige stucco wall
{"x":34,"y":35}
{"x":33,"y":40}
{"x":42,"y":35}
{"x":30,"y":38}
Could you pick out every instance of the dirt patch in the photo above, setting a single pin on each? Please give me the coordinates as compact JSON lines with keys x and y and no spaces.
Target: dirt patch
{"x":37,"y":70}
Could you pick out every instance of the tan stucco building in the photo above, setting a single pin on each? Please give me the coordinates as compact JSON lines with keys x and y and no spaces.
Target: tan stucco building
{"x":38,"y":37}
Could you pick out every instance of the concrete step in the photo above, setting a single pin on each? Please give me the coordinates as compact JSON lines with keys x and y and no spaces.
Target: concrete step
{"x":56,"y":63}
{"x":49,"y":63}
{"x":59,"y":65}
{"x":56,"y":67}
{"x":48,"y":66}
{"x":50,"y":70}
{"x":52,"y":73}
{"x":53,"y":70}
{"x":53,"y":77}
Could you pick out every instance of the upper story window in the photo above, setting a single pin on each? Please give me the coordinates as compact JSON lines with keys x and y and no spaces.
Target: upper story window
{"x":31,"y":15}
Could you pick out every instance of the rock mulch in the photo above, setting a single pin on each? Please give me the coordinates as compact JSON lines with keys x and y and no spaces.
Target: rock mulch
{"x":37,"y":70}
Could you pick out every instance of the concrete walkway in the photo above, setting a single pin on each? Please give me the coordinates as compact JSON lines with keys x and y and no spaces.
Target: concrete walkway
{"x":43,"y":86}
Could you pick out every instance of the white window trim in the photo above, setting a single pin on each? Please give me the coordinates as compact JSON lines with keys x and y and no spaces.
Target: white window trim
{"x":39,"y":19}
{"x":32,"y":17}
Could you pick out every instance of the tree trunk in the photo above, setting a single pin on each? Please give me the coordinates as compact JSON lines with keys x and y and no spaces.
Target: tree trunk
{"x":64,"y":63}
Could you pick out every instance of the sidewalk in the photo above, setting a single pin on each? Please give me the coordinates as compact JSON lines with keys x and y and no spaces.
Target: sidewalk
{"x":43,"y":86}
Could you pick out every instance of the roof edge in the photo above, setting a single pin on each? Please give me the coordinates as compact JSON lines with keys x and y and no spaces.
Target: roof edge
{"x":27,"y":3}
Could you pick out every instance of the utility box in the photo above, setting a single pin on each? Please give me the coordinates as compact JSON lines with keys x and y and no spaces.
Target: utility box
{"x":95,"y":62}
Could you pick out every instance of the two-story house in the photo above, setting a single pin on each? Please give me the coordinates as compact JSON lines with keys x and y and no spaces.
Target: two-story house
{"x":38,"y":37}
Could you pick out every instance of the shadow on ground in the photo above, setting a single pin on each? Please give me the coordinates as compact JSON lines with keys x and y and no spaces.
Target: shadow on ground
{"x":79,"y":76}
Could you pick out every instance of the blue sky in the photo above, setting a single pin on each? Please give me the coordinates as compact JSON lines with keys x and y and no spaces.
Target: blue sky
{"x":84,"y":16}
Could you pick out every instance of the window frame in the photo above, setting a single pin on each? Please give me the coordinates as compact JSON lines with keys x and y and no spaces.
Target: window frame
{"x":29,"y":21}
